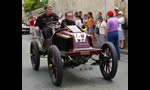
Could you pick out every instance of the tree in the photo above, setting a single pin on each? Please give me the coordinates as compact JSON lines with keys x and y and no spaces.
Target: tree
{"x":30,"y":5}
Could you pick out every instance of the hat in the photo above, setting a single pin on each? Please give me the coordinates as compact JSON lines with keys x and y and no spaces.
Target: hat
{"x":100,"y":17}
{"x":120,"y":12}
{"x":47,"y":6}
{"x":116,"y":8}
{"x":110,"y":13}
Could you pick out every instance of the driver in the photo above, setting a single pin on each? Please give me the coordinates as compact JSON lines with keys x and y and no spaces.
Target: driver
{"x":41,"y":22}
{"x":43,"y":19}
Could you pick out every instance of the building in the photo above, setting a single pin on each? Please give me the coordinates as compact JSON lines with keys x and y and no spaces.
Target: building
{"x":61,"y":6}
{"x":37,"y":12}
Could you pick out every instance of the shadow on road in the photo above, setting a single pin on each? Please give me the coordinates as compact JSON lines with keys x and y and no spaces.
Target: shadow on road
{"x":71,"y":78}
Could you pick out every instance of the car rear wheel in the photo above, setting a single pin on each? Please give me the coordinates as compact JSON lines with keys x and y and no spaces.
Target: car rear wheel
{"x":55,"y":65}
{"x":110,"y":61}
{"x":35,"y":56}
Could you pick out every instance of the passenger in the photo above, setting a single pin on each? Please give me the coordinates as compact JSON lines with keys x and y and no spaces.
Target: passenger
{"x":68,"y":20}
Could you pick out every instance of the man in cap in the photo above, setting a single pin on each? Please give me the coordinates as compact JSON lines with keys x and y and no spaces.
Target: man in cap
{"x":41,"y":22}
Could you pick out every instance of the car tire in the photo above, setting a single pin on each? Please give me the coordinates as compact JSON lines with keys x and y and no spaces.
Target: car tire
{"x":109,"y":66}
{"x":35,"y":56}
{"x":56,"y":68}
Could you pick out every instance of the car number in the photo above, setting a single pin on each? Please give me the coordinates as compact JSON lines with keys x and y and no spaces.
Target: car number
{"x":80,"y":37}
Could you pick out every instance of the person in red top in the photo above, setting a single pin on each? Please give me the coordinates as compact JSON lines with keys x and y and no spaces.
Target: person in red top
{"x":31,"y":22}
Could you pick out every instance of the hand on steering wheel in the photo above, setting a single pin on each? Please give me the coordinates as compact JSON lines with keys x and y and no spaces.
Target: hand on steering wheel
{"x":53,"y":25}
{"x":52,"y":22}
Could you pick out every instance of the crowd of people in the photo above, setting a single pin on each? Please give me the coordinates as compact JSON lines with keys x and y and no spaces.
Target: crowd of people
{"x":96,"y":26}
{"x":100,"y":29}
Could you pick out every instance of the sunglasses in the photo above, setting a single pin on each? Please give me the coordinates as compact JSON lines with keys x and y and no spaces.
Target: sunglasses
{"x":70,"y":16}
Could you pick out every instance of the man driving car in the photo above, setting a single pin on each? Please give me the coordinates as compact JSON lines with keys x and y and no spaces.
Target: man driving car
{"x":41,"y":24}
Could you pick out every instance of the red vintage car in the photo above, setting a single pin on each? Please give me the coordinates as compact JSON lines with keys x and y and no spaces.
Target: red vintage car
{"x":71,"y":47}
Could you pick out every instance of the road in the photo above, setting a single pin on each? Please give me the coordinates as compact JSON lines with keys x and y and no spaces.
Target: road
{"x":73,"y":79}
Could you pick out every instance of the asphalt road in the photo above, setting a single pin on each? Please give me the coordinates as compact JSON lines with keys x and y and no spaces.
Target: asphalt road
{"x":73,"y":79}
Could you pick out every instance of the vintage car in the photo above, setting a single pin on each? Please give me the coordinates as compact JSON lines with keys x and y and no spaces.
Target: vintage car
{"x":71,"y":47}
{"x":25,"y":29}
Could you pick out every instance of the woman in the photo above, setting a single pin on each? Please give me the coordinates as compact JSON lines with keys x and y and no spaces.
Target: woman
{"x":112,"y":31}
{"x":91,"y":22}
{"x":102,"y":28}
{"x":121,"y":31}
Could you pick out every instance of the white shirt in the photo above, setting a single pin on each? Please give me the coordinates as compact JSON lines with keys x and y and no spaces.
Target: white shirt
{"x":121,"y":21}
{"x":98,"y":24}
{"x":102,"y":27}
{"x":85,"y":21}
{"x":78,"y":23}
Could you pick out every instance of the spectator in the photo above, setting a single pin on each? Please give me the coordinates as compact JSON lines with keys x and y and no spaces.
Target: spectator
{"x":121,"y":31}
{"x":116,"y":11}
{"x":78,"y":21}
{"x":22,"y":21}
{"x":91,"y":22}
{"x":31,"y":22}
{"x":102,"y":28}
{"x":81,"y":17}
{"x":80,"y":13}
{"x":85,"y":19}
{"x":97,"y":31}
{"x":74,"y":17}
{"x":97,"y":27}
{"x":99,"y":14}
{"x":112,"y":31}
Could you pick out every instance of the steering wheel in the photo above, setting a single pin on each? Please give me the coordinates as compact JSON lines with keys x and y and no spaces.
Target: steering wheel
{"x":53,"y":24}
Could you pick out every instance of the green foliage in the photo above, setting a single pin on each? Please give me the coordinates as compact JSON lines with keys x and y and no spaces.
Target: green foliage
{"x":30,"y":5}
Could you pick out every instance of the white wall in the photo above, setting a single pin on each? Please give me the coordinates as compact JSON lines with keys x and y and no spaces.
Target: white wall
{"x":62,"y":6}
